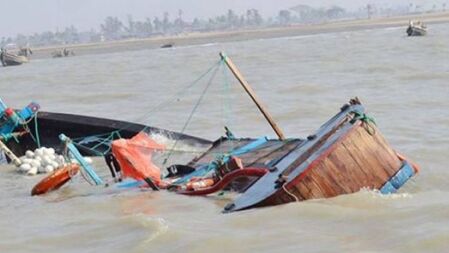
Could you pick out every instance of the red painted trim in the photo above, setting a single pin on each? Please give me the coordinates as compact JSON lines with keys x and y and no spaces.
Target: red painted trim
{"x":256,"y":172}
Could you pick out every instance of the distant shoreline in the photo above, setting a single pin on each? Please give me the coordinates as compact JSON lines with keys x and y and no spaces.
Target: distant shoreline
{"x":239,"y":35}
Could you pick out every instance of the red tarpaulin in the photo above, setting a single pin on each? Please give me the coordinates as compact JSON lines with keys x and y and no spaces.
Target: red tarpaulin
{"x":134,"y":156}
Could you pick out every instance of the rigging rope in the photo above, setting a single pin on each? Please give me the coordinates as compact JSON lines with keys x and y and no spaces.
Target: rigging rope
{"x":227,"y":106}
{"x":25,"y":126}
{"x":168,"y":101}
{"x":193,"y":111}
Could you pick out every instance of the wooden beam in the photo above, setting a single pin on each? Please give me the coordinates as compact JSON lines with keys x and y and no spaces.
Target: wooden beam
{"x":10,"y":154}
{"x":253,"y":96}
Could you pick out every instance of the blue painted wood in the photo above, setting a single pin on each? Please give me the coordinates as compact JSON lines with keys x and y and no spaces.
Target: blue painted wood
{"x":387,"y":188}
{"x":206,"y":168}
{"x":399,"y":179}
{"x":2,"y":105}
{"x":7,"y":127}
{"x":130,"y":183}
{"x":84,"y":165}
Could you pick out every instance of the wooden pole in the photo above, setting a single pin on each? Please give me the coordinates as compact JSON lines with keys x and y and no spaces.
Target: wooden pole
{"x":252,"y":94}
{"x":10,"y":154}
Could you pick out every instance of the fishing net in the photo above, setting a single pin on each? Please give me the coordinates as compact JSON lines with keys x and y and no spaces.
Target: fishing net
{"x":135,"y":157}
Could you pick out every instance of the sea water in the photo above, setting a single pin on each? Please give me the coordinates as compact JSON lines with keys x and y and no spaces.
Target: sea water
{"x":303,"y":81}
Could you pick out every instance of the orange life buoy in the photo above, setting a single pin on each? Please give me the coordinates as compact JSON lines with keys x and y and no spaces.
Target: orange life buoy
{"x":56,"y":179}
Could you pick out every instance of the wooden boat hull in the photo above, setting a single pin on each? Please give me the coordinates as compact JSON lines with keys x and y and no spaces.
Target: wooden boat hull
{"x":344,"y":156}
{"x":50,"y":125}
{"x":13,"y":60}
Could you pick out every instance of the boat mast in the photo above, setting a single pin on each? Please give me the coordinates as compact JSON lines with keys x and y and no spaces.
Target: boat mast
{"x":252,"y":94}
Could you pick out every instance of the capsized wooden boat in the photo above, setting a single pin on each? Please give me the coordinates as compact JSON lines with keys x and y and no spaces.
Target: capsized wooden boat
{"x":416,"y":29}
{"x":346,"y":154}
{"x":89,"y":131}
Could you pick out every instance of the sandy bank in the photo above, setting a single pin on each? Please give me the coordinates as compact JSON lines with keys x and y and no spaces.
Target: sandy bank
{"x":215,"y":37}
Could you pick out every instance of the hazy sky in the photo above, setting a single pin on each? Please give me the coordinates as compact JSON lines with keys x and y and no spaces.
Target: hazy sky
{"x":29,"y":16}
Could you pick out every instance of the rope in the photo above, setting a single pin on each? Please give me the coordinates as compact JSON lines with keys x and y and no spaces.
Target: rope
{"x":160,"y":105}
{"x":86,"y":178}
{"x":193,"y":112}
{"x":367,"y":121}
{"x":183,"y":91}
{"x":35,"y":137}
{"x":68,"y":159}
{"x":217,"y":155}
{"x":7,"y":137}
{"x":289,"y":193}
{"x":227,"y":106}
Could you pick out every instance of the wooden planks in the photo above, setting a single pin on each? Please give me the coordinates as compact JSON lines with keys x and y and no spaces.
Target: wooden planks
{"x":361,"y":159}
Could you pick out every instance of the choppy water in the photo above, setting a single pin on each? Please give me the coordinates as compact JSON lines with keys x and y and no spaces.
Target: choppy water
{"x":303,"y":80}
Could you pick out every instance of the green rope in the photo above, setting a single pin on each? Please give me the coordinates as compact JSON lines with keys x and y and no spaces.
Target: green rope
{"x":95,"y":135}
{"x":89,"y":148}
{"x":227,"y":107}
{"x":102,"y":141}
{"x":367,"y":121}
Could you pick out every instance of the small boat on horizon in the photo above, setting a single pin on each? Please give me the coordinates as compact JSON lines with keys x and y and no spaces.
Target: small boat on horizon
{"x":62,"y":53}
{"x":9,"y":59}
{"x":416,"y":29}
{"x":11,"y":55}
{"x":167,"y":45}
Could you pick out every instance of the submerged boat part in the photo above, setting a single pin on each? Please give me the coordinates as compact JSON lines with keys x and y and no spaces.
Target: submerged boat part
{"x":88,"y":133}
{"x":346,"y":154}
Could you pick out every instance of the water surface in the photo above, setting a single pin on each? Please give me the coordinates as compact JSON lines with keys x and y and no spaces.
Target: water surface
{"x":303,"y":81}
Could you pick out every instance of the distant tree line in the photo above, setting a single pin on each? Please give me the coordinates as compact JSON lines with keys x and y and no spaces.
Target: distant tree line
{"x":114,"y":28}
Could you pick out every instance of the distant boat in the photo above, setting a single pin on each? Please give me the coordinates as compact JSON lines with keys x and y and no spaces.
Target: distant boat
{"x":416,"y":29}
{"x":168,"y":45}
{"x":62,"y":53}
{"x":10,"y":59}
{"x":12,"y":56}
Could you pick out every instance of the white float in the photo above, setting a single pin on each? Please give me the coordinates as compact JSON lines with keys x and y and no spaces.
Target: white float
{"x":41,"y":160}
